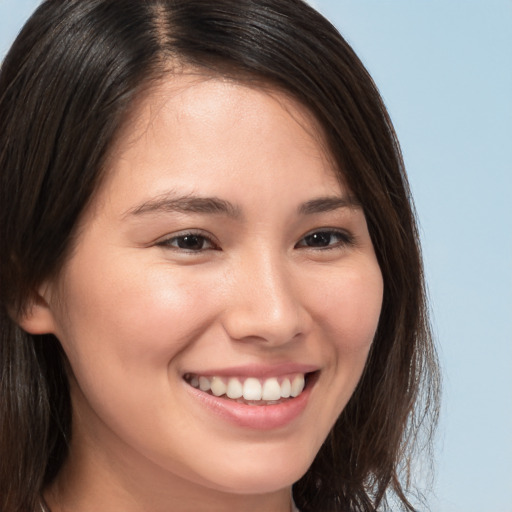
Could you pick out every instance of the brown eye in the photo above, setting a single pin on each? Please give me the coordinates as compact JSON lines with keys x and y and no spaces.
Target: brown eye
{"x":322,"y":239}
{"x":325,"y":239}
{"x":191,"y":242}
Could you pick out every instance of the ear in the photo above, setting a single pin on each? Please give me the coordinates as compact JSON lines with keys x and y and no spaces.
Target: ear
{"x":37,"y":316}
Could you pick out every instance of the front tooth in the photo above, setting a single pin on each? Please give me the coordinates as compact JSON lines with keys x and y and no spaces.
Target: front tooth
{"x":235,"y":388}
{"x":297,"y":385}
{"x":286,"y":388}
{"x":252,"y":389}
{"x":218,"y":386}
{"x":204,"y":384}
{"x":271,"y":390}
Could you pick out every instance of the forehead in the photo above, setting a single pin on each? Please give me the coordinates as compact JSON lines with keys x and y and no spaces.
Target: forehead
{"x":195,"y":93}
{"x":193,"y":128}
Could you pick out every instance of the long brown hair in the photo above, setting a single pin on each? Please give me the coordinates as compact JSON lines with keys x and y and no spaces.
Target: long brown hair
{"x":66,"y":86}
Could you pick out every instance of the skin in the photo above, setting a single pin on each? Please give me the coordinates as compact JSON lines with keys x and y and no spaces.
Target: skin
{"x":134,"y":311}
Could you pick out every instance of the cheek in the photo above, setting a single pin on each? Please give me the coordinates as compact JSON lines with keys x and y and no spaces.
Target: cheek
{"x":351,"y":303}
{"x":132,"y":316}
{"x":350,"y":314}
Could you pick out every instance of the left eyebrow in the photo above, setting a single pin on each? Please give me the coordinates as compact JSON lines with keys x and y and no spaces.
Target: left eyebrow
{"x":328,"y":204}
{"x":186,"y":204}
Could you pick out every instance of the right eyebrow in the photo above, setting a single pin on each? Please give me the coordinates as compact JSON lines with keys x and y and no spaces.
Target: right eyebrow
{"x":328,"y":204}
{"x":186,"y":204}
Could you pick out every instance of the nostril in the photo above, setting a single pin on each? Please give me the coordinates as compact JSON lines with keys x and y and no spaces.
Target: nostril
{"x":263,"y":326}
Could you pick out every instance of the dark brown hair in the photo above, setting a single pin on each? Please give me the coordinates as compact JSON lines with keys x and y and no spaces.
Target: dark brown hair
{"x":66,"y":85}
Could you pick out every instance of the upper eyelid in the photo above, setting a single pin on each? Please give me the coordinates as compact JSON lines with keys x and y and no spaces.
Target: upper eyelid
{"x":328,"y":229}
{"x":347,"y":235}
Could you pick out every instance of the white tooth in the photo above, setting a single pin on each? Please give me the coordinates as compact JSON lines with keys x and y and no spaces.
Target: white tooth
{"x":252,"y":389}
{"x":204,"y":384}
{"x":297,"y":385}
{"x":235,"y":388}
{"x":218,"y":386}
{"x":271,"y":390}
{"x":286,"y":388}
{"x":194,"y":381}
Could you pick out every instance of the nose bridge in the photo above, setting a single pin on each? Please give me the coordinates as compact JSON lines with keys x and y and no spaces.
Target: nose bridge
{"x":264,"y":303}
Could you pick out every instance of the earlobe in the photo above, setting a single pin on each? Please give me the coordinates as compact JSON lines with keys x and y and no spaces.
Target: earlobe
{"x":37,"y":316}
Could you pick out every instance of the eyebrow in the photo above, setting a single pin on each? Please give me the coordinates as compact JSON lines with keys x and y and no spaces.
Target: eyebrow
{"x":167,"y":203}
{"x":328,"y":204}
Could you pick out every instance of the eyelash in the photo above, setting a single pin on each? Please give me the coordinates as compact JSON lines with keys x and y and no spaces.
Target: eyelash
{"x":344,"y":239}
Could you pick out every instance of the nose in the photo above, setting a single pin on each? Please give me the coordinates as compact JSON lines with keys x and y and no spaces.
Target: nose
{"x":264,"y":304}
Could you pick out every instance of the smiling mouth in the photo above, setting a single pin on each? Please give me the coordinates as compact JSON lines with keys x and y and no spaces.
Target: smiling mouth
{"x":251,"y":390}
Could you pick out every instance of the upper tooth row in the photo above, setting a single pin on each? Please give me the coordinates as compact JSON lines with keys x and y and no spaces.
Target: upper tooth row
{"x":251,"y":388}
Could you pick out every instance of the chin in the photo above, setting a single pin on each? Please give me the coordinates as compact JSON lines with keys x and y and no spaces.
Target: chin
{"x":260,"y":475}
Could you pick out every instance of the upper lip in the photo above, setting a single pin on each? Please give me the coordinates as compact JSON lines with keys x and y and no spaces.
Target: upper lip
{"x":257,"y":370}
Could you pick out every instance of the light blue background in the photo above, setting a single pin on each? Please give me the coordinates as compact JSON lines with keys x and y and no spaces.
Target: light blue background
{"x":444,"y":68}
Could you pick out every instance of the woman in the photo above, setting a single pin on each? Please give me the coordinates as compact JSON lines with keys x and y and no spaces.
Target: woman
{"x":212,"y":294}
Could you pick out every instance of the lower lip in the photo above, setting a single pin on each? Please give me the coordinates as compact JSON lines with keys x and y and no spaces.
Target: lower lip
{"x":258,"y":417}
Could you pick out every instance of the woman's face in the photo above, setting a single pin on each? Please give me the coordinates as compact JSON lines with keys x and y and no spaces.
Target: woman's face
{"x":220,"y":251}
